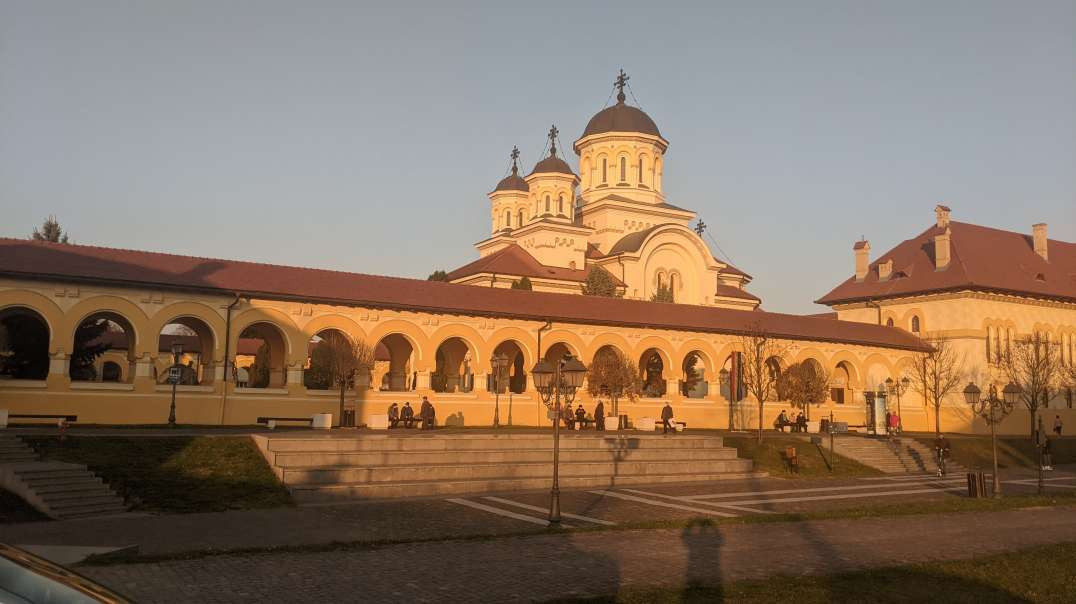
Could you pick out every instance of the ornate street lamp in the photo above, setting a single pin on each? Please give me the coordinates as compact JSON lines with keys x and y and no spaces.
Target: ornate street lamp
{"x":499,"y":363}
{"x":174,"y":373}
{"x":898,"y":389}
{"x":554,"y":380}
{"x":993,"y":410}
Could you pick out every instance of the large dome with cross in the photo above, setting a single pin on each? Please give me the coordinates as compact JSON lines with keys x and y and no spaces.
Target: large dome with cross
{"x":621,"y":117}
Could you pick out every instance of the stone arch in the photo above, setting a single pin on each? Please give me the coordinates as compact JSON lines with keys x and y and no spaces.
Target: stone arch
{"x":455,"y":359}
{"x":196,"y":310}
{"x":131,"y":313}
{"x":294,"y":340}
{"x":475,"y":342}
{"x":607,"y":339}
{"x":24,"y":344}
{"x":101,"y":337}
{"x":515,"y":376}
{"x":854,"y":368}
{"x":317,"y":372}
{"x":653,"y":368}
{"x":416,"y":338}
{"x":875,"y":365}
{"x":45,"y":308}
{"x":339,"y":322}
{"x":812,"y":353}
{"x":395,"y":363}
{"x":697,"y":370}
{"x":198,"y":347}
{"x":261,"y":354}
{"x":524,"y":339}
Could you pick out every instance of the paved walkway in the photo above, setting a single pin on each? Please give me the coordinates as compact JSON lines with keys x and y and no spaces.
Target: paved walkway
{"x":543,"y":567}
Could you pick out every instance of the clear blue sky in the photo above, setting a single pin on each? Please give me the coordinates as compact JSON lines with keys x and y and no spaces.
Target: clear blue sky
{"x":364,"y":138}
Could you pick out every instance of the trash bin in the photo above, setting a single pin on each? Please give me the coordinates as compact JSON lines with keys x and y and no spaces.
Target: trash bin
{"x":348,"y":418}
{"x":624,"y":421}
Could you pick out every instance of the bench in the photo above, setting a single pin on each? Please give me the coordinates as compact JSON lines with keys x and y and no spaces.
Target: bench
{"x":271,"y":421}
{"x":791,"y":459}
{"x":61,"y":417}
{"x":795,"y":427}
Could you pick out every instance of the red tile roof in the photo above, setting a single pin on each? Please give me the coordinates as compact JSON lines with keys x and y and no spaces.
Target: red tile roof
{"x":514,"y":260}
{"x":731,"y":291}
{"x":981,"y":259}
{"x":27,"y":259}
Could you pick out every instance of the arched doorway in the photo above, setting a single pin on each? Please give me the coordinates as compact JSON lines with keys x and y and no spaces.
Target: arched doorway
{"x":322,"y":346}
{"x":652,"y":372}
{"x":453,"y":372}
{"x":693,"y":384}
{"x":261,"y":357}
{"x":393,"y":366}
{"x":24,"y":345}
{"x":841,"y":383}
{"x":516,"y":381}
{"x":103,"y":337}
{"x":196,"y":342}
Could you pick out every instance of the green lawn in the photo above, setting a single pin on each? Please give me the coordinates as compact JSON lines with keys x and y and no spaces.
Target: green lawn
{"x":1013,"y":452}
{"x":1041,"y":575}
{"x":768,"y":457}
{"x":175,"y":473}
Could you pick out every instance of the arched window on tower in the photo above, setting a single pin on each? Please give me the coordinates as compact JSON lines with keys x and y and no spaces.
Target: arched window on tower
{"x":623,"y":169}
{"x":640,"y":171}
{"x":560,"y":205}
{"x":605,"y":170}
{"x":547,"y":204}
{"x":508,"y":218}
{"x":520,"y":221}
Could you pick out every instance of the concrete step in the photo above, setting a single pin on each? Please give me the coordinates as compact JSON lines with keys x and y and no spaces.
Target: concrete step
{"x":91,"y":509}
{"x":343,"y":492}
{"x":76,"y":491}
{"x":81,"y":484}
{"x":457,"y":472}
{"x":58,"y":505}
{"x":31,"y":475}
{"x":483,"y":442}
{"x":389,"y":458}
{"x":12,"y":457}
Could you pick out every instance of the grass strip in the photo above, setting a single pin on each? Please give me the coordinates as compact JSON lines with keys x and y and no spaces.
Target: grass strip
{"x":890,"y":510}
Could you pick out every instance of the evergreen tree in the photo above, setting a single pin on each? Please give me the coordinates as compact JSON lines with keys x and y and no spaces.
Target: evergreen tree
{"x":600,"y":283}
{"x":259,"y":371}
{"x":50,"y":231}
{"x":524,"y":283}
{"x":88,"y":346}
{"x":438,"y":276}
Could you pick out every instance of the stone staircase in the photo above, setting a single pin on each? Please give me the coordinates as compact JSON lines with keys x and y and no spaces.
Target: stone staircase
{"x":901,"y":456}
{"x":58,"y":490}
{"x":326,"y":468}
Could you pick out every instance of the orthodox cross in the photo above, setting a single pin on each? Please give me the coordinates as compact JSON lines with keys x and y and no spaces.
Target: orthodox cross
{"x":553,"y":132}
{"x":700,"y":228}
{"x":620,"y":82}
{"x":515,"y":156}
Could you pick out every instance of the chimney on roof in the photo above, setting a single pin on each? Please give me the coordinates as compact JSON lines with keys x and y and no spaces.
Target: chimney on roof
{"x":941,"y":249}
{"x":885,"y":269}
{"x":862,"y":250}
{"x":1038,"y":235}
{"x":942,"y":214}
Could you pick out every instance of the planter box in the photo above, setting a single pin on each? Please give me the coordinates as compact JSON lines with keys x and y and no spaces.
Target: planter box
{"x":322,"y":421}
{"x":378,"y":422}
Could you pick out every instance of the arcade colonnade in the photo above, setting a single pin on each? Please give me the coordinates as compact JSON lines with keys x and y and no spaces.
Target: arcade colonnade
{"x":445,"y":357}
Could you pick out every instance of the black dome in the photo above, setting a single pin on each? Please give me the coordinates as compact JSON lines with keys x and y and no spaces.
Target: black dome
{"x":513,"y":182}
{"x":552,"y":164}
{"x":621,"y":118}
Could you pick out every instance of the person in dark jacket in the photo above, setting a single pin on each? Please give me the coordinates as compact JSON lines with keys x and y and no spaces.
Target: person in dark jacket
{"x":580,"y":415}
{"x":666,"y":419}
{"x":427,"y":414}
{"x":599,"y":416}
{"x":407,"y":415}
{"x":394,"y":415}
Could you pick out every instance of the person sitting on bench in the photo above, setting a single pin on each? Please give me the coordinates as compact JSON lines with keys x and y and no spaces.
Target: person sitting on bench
{"x":407,"y":415}
{"x":801,"y":422}
{"x":394,"y":415}
{"x":781,"y":421}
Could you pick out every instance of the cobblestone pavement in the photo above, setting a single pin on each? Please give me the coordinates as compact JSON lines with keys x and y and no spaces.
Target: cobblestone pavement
{"x":519,"y":569}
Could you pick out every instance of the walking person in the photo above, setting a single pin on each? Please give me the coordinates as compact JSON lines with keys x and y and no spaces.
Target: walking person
{"x":941,"y":449}
{"x":666,"y":419}
{"x":407,"y":415}
{"x":1057,"y":425}
{"x":599,"y":417}
{"x":1047,"y":455}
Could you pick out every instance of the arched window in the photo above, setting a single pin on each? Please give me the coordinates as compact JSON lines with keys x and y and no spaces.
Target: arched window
{"x":640,"y":170}
{"x":547,"y":203}
{"x":605,"y":170}
{"x":989,"y":359}
{"x":508,"y":218}
{"x":915,"y":324}
{"x":520,"y":221}
{"x":560,"y":205}
{"x":623,"y":169}
{"x":889,"y":322}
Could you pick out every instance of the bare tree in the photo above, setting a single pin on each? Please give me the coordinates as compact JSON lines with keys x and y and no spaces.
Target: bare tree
{"x":804,"y":384}
{"x":1034,"y":364}
{"x":937,"y":373}
{"x":339,"y":360}
{"x":614,"y":375}
{"x":759,"y":347}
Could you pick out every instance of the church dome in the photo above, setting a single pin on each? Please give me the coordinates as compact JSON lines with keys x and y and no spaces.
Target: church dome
{"x":621,"y":118}
{"x":552,"y":164}
{"x":513,"y":182}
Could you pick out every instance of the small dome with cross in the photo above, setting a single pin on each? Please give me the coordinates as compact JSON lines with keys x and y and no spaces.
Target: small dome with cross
{"x":552,"y":164}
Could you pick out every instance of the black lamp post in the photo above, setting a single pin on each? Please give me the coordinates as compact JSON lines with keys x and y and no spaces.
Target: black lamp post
{"x":499,"y":363}
{"x":553,"y":380}
{"x":174,"y":372}
{"x":898,"y":389}
{"x":993,"y":410}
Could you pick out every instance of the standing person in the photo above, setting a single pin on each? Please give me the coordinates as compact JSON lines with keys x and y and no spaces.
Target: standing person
{"x":888,"y":422}
{"x":427,"y":414}
{"x":666,"y":419}
{"x":407,"y":414}
{"x":580,"y":416}
{"x":1057,"y":425}
{"x":1047,"y":455}
{"x":599,"y":416}
{"x":394,"y":415}
{"x":941,"y":448}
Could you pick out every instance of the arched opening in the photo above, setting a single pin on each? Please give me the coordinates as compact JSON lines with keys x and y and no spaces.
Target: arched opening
{"x":623,"y":169}
{"x":24,"y":345}
{"x":546,"y":204}
{"x":642,"y":173}
{"x":508,"y":219}
{"x":111,"y":372}
{"x":515,"y":379}
{"x":732,"y":386}
{"x":693,"y":384}
{"x":196,"y":342}
{"x":560,"y":205}
{"x":840,"y":385}
{"x":652,"y":370}
{"x":520,"y":221}
{"x":915,"y":324}
{"x":453,"y":372}
{"x":605,"y":171}
{"x":260,"y":359}
{"x":889,"y":322}
{"x":556,"y":351}
{"x":318,"y":371}
{"x":393,"y":366}
{"x":100,"y":338}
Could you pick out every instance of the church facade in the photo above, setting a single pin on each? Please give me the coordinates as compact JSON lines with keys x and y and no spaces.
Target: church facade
{"x":555,"y":226}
